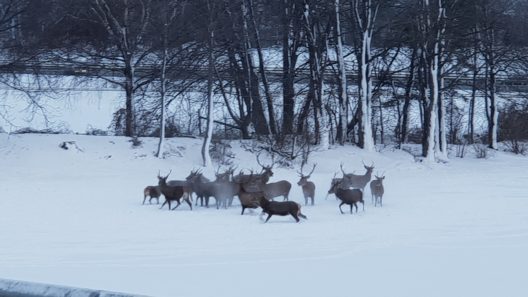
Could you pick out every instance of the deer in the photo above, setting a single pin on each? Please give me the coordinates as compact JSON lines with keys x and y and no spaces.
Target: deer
{"x":173,"y":193}
{"x":308,"y":187}
{"x":376,"y":189}
{"x":357,"y":181}
{"x":224,"y":193}
{"x":225,"y":176}
{"x":201,"y":186}
{"x":249,"y":199}
{"x":333,"y":183}
{"x":348,"y":196}
{"x":282,"y":208}
{"x":152,"y":192}
{"x":276,"y":189}
{"x":227,"y":189}
{"x":263,"y":177}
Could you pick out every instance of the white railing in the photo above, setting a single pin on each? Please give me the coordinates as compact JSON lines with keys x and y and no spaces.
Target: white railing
{"x":13,"y":288}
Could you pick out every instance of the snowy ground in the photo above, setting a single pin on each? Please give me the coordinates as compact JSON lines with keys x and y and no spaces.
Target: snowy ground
{"x":75,"y":218}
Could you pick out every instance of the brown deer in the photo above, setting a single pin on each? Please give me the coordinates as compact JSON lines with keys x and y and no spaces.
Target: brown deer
{"x":249,"y":200}
{"x":200,"y":185}
{"x":283,"y":208}
{"x":355,"y":181}
{"x":333,"y":183}
{"x":173,"y":193}
{"x":224,"y":176}
{"x":152,"y":192}
{"x":308,"y":187}
{"x":276,"y":189}
{"x":227,"y":189}
{"x":348,"y":196}
{"x":377,"y":191}
{"x":262,"y":177}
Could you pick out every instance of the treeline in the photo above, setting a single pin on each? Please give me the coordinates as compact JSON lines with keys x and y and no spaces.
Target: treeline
{"x":331,"y":71}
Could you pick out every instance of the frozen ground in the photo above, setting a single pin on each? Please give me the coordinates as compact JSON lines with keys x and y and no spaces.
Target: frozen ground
{"x":75,"y":218}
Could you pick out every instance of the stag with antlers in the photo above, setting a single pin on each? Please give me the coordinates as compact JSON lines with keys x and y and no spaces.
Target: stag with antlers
{"x":307,"y":186}
{"x":261,"y":178}
{"x":173,"y":193}
{"x":357,"y":181}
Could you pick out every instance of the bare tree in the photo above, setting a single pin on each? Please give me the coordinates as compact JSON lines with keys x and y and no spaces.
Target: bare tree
{"x":341,"y":77}
{"x":364,"y":13}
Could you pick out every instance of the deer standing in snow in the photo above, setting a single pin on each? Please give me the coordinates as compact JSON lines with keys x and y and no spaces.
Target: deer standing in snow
{"x":356,"y":181}
{"x":307,"y":186}
{"x":377,"y":191}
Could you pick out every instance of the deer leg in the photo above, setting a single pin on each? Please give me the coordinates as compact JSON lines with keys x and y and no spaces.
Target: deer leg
{"x":157,"y":200}
{"x":340,"y":207}
{"x":144,"y":198}
{"x":294,"y":215}
{"x":177,"y":201}
{"x":188,"y":202}
{"x":243,"y":208}
{"x":362,"y":203}
{"x":166,"y":201}
{"x":352,"y":208}
{"x":312,"y":200}
{"x":269,"y":216}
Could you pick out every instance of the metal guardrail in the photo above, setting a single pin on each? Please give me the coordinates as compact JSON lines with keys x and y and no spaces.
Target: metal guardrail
{"x":14,"y":288}
{"x":504,"y":82}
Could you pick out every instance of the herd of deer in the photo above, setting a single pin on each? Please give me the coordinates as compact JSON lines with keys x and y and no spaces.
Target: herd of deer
{"x":255,"y":190}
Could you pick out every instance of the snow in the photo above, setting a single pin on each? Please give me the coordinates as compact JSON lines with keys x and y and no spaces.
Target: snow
{"x":75,"y":218}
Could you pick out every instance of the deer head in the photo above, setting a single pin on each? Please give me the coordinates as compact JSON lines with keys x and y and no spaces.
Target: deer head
{"x":368,"y":168}
{"x":380,"y":177}
{"x":333,"y":184}
{"x":193,"y":175}
{"x":266,"y":169}
{"x":226,"y":175}
{"x":162,"y":180}
{"x":304,"y":178}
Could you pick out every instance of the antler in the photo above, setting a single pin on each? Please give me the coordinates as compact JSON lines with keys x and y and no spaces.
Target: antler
{"x":168,"y":173}
{"x":342,"y":170}
{"x":309,"y":174}
{"x":258,"y":160}
{"x":301,"y":172}
{"x":272,"y":160}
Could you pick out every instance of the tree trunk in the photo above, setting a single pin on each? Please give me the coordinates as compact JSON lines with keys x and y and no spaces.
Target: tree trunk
{"x":265,"y":83}
{"x":407,"y":98}
{"x":206,"y":156}
{"x":130,"y":121}
{"x":364,"y":15}
{"x":342,"y":82}
{"x":289,"y":59}
{"x":163,"y":86}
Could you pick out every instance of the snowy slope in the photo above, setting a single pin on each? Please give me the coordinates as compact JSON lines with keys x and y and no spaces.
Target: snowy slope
{"x":75,"y":218}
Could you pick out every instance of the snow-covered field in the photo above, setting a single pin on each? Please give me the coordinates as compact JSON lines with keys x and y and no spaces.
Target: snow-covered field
{"x":75,"y":218}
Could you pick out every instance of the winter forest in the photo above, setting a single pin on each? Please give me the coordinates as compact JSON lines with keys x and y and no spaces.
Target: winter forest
{"x":322,"y":72}
{"x":430,"y":94}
